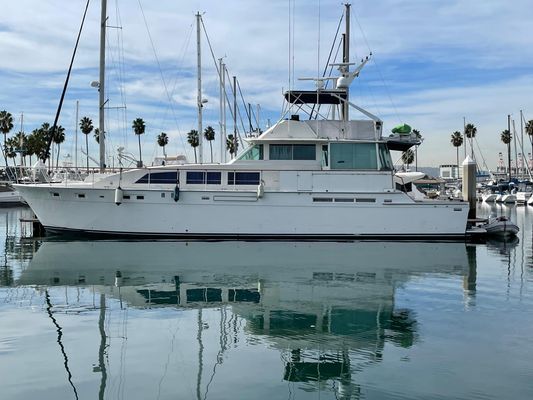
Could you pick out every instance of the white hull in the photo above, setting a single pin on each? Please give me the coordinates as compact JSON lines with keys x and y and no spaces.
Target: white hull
{"x":522,"y":197}
{"x":489,"y":198}
{"x":11,"y":197}
{"x":508,"y":199}
{"x":210,"y":214}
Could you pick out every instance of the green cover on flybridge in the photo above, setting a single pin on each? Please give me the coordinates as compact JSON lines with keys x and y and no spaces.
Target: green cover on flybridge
{"x":402,"y":129}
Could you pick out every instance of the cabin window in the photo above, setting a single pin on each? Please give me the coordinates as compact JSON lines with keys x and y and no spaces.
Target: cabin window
{"x":292,"y":152}
{"x":353,"y":156}
{"x":81,"y":195}
{"x":160,"y":177}
{"x":385,"y":161}
{"x":243,"y":178}
{"x":202,"y":177}
{"x":195,"y":177}
{"x":253,"y":153}
{"x":214,"y":178}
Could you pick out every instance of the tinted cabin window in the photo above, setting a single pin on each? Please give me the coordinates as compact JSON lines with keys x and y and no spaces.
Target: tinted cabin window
{"x":195,"y":177}
{"x":353,"y":156}
{"x":214,"y":178}
{"x":304,"y":152}
{"x":385,"y":162}
{"x":253,"y":153}
{"x":199,"y":177}
{"x":292,"y":152}
{"x":159,"y":177}
{"x":243,"y":178}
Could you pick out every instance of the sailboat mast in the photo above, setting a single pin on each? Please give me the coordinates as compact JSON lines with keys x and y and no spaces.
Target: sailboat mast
{"x":76,"y":136}
{"x":221,"y":104}
{"x":199,"y":97}
{"x":101,"y":86}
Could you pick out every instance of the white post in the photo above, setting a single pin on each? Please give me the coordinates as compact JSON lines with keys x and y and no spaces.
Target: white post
{"x":469,"y":185}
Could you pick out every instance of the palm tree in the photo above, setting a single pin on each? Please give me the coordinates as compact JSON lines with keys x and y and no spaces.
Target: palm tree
{"x":86,"y":127}
{"x":30,"y":145}
{"x":408,"y":157}
{"x":457,"y":141}
{"x":470,"y":133}
{"x":162,"y":140}
{"x":97,"y":135}
{"x":506,"y":138}
{"x":11,"y":147}
{"x":138,"y":128}
{"x":58,"y":137}
{"x":209,"y":134}
{"x":194,"y":140}
{"x":42,"y":136}
{"x":232,"y":145}
{"x":21,"y":145}
{"x":529,"y":131}
{"x":6,"y":124}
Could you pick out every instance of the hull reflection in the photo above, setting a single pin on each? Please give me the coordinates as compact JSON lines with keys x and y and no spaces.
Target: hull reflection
{"x":328,"y":308}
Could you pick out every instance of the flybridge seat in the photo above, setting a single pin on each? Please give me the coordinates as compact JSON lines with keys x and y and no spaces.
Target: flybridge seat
{"x":315,"y":96}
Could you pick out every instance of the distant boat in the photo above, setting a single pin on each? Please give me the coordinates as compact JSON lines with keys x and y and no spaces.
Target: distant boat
{"x":10,"y":196}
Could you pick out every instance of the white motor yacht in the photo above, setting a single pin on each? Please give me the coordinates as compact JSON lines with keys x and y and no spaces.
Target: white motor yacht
{"x":312,"y":177}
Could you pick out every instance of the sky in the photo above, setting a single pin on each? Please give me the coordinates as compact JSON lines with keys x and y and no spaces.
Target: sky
{"x":433,"y":63}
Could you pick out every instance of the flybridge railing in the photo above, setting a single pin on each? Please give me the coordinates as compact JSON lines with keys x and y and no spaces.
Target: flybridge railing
{"x":43,"y":174}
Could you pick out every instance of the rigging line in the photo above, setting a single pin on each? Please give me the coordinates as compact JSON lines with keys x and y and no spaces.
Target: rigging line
{"x":378,"y":68}
{"x":159,"y":66}
{"x":59,"y":335}
{"x":329,"y":59}
{"x":210,"y":47}
{"x":481,"y":154}
{"x":123,"y":72}
{"x":239,"y":114}
{"x":245,"y":107}
{"x":179,"y":67}
{"x":120,"y":69}
{"x":219,"y":356}
{"x":231,"y":111}
{"x":54,"y":126}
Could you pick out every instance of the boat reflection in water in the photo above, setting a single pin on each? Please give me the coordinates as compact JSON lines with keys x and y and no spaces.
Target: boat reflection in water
{"x":328,"y":309}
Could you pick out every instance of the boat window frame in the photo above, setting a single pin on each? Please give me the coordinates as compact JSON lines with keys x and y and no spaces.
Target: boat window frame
{"x":353,"y":165}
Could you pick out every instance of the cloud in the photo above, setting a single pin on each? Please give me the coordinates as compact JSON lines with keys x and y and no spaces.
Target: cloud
{"x":434,"y":61}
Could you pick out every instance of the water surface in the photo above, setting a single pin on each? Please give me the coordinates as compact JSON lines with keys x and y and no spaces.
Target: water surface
{"x":265,"y":320}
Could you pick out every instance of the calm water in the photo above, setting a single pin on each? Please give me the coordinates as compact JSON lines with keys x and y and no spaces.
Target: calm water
{"x":243,"y":320}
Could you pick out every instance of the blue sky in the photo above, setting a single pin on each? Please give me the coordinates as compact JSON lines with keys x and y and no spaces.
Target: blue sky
{"x":434,"y":62}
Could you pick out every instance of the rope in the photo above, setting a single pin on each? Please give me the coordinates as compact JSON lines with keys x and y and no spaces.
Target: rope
{"x":54,"y":126}
{"x":169,"y":97}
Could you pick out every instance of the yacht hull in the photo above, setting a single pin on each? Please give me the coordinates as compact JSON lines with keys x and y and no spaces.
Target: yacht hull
{"x":244,"y":215}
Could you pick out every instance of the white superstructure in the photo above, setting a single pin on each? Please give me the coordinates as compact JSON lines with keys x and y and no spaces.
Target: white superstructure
{"x":316,"y":177}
